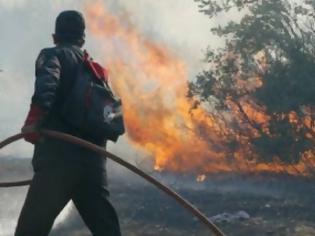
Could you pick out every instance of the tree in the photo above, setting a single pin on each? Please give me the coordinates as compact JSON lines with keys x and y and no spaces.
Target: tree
{"x":262,"y":82}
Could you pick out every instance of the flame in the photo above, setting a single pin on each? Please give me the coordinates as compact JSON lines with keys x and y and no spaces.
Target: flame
{"x":152,"y":82}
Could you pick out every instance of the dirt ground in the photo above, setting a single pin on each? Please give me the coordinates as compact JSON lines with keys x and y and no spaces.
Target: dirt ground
{"x":275,"y":205}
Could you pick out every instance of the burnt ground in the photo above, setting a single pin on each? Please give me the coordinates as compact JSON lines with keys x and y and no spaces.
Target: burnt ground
{"x":270,"y":214}
{"x":276,"y":205}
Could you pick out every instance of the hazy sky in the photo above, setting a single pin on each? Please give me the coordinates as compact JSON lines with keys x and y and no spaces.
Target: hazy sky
{"x":26,"y":27}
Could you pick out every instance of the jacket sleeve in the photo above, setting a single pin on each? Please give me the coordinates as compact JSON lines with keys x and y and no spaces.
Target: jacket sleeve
{"x":48,"y":71}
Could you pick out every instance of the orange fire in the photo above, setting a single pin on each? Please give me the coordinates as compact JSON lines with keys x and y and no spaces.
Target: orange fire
{"x":152,"y":82}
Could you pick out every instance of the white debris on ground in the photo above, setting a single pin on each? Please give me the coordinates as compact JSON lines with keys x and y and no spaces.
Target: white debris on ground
{"x":230,"y":217}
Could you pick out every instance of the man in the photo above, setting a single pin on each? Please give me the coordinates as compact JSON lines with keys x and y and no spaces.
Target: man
{"x":63,"y":171}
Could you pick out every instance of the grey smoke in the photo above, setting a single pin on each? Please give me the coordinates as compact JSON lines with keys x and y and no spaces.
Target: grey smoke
{"x":26,"y":27}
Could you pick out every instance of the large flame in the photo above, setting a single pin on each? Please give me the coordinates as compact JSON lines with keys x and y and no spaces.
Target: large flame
{"x":152,"y":82}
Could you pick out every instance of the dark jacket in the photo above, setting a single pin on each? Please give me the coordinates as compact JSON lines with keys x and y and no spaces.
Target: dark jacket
{"x":56,"y":70}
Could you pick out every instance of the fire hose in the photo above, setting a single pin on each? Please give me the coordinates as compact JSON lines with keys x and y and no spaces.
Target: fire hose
{"x":74,"y":140}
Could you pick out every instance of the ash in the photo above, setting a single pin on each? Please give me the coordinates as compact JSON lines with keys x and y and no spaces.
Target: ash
{"x":269,"y":204}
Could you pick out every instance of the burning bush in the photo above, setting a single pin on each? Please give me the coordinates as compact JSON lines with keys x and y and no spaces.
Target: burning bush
{"x":251,"y":111}
{"x":263,"y":80}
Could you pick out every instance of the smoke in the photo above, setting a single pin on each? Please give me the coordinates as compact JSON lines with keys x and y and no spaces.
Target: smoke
{"x":26,"y":28}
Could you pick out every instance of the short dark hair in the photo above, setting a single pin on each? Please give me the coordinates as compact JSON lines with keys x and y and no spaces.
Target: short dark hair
{"x":70,"y":27}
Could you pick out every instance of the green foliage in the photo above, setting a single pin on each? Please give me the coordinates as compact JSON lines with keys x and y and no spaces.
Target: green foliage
{"x":268,"y":64}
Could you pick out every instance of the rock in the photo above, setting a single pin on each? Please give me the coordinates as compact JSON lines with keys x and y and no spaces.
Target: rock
{"x":230,"y":218}
{"x":304,"y":230}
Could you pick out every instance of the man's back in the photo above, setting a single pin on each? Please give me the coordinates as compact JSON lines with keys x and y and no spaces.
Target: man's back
{"x":56,"y":70}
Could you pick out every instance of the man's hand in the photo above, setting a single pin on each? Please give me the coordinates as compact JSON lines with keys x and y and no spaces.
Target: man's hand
{"x":32,"y":123}
{"x":28,"y":128}
{"x":31,"y":136}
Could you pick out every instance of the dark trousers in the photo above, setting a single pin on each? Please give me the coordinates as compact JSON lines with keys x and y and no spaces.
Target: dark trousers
{"x":51,"y":189}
